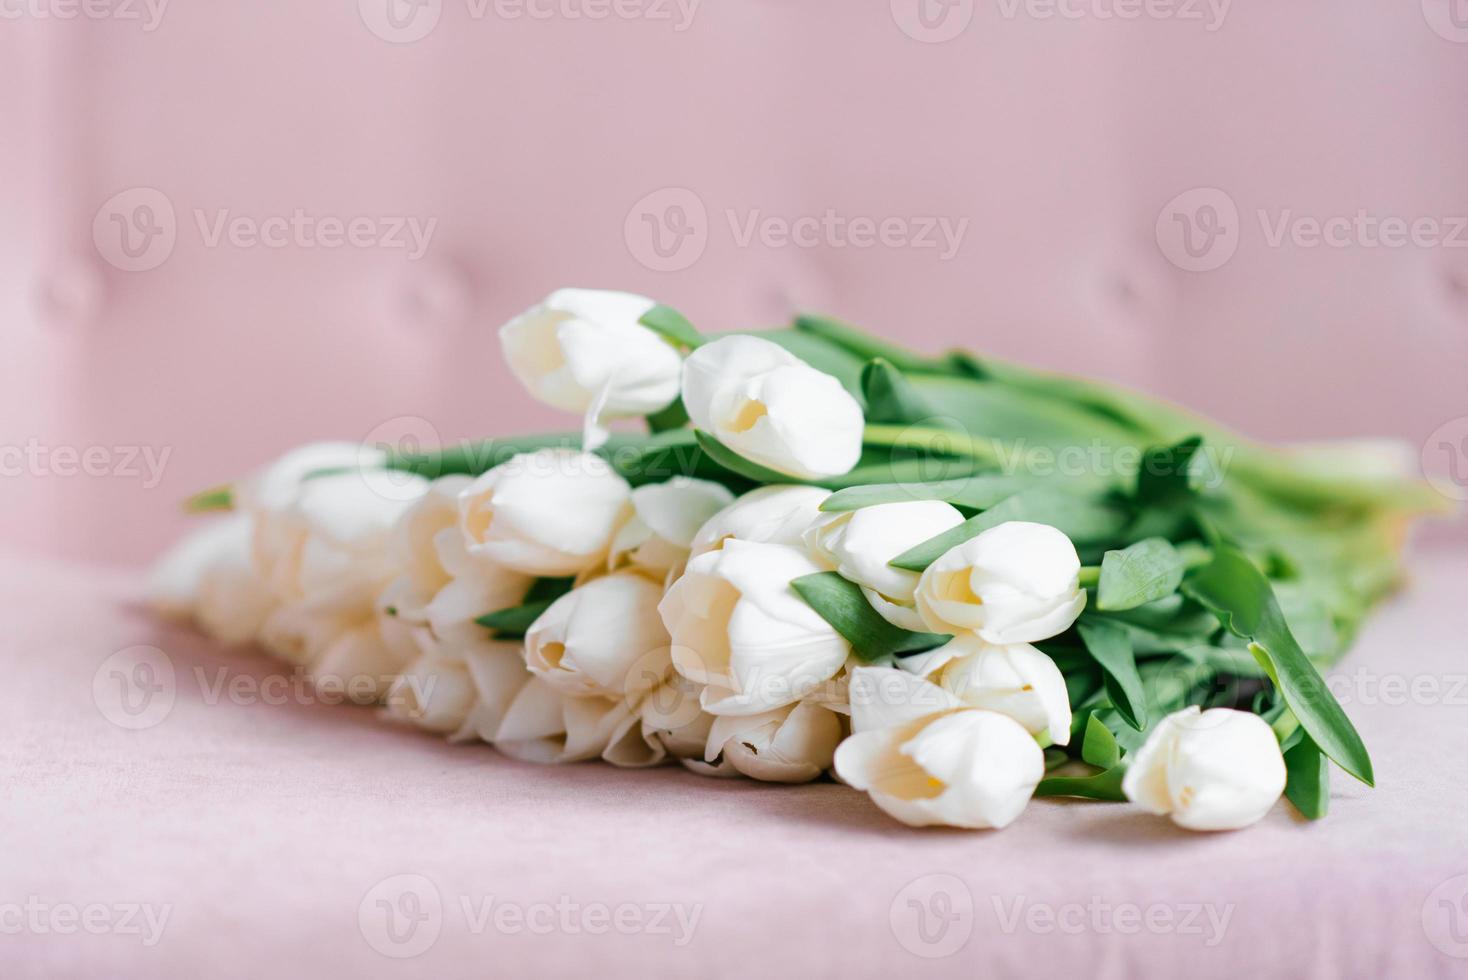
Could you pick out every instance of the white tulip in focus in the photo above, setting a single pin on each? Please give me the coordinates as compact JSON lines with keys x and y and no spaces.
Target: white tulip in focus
{"x":602,"y":638}
{"x":793,"y":744}
{"x":1015,"y":680}
{"x":772,"y":408}
{"x":860,"y":543}
{"x":776,"y":514}
{"x":544,"y":725}
{"x":926,"y":759}
{"x":1017,"y":582}
{"x":549,"y":512}
{"x":739,"y":627}
{"x":1218,"y":769}
{"x":665,"y":519}
{"x":583,"y":351}
{"x":440,"y":585}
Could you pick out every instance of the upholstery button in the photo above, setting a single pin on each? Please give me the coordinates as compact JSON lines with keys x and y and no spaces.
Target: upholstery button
{"x":438,"y":296}
{"x":70,"y":294}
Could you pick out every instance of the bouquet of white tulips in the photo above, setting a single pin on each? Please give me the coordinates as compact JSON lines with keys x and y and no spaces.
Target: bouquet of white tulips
{"x":948,"y":582}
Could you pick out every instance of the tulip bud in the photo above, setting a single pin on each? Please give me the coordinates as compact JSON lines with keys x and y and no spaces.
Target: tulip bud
{"x":545,"y":725}
{"x":1015,"y":680}
{"x":550,"y":512}
{"x":860,"y":543}
{"x":665,"y":518}
{"x":330,"y":545}
{"x":1218,"y":769}
{"x":433,"y":693}
{"x":775,"y":514}
{"x":772,"y":408}
{"x":584,"y":351}
{"x":1017,"y":582}
{"x":210,"y":577}
{"x":926,"y":760}
{"x":738,"y":627}
{"x":793,"y":744}
{"x":602,"y":638}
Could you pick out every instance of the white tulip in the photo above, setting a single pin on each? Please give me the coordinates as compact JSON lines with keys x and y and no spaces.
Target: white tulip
{"x":583,"y":350}
{"x":673,"y":721}
{"x":860,"y":543}
{"x":330,"y":544}
{"x":602,"y":638}
{"x":1015,"y":680}
{"x":549,"y":512}
{"x":497,"y":668}
{"x":926,"y":759}
{"x":1218,"y":769}
{"x":440,"y":584}
{"x":299,"y":634}
{"x":423,"y":531}
{"x":210,"y":576}
{"x":793,"y":744}
{"x":665,"y":519}
{"x":358,"y":662}
{"x":275,"y":485}
{"x":545,"y":725}
{"x":776,"y":514}
{"x":738,"y":627}
{"x":772,"y":408}
{"x":434,"y":693}
{"x":1017,"y":582}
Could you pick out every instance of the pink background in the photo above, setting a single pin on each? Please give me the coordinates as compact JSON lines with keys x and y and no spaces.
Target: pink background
{"x":531,"y":143}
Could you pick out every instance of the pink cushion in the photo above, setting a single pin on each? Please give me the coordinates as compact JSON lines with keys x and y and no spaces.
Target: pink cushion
{"x":268,"y":828}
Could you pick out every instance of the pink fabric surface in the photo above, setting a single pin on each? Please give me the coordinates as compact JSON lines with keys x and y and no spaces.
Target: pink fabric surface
{"x":266,"y":828}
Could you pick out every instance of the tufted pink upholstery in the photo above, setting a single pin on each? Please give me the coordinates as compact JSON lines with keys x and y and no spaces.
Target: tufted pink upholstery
{"x":531,"y":141}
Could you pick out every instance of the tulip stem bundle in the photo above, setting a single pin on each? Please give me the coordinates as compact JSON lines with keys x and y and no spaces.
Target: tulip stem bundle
{"x":953,"y":582}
